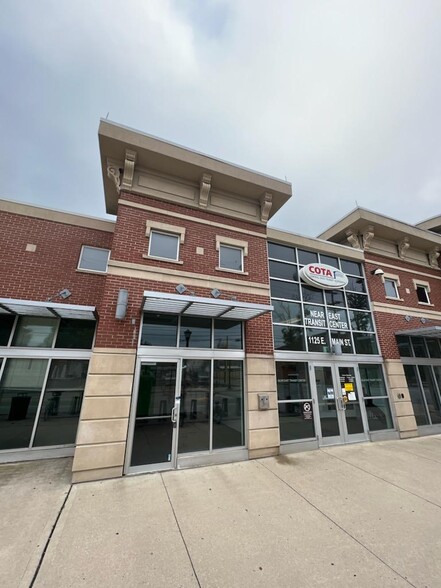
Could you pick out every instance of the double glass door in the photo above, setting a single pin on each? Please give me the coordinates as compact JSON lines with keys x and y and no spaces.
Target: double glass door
{"x":340,"y":411}
{"x":185,"y":406}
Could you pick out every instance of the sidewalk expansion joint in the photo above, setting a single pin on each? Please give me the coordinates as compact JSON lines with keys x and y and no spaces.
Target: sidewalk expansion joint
{"x":337,"y":525}
{"x":40,"y":563}
{"x":383,"y":479}
{"x":180,"y":531}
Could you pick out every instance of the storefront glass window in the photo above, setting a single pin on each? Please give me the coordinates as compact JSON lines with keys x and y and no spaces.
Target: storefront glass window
{"x":285,"y":271}
{"x":276,"y":251}
{"x":194,"y":418}
{"x":60,"y":410}
{"x":35,"y":331}
{"x":287,"y":290}
{"x":375,"y":397}
{"x":228,"y":413}
{"x":6,"y":324}
{"x":20,"y":390}
{"x":404,"y":346}
{"x":75,"y":334}
{"x":416,"y":395}
{"x":419,"y":347}
{"x":289,"y":338}
{"x":195,"y":332}
{"x":287,"y":312}
{"x":365,"y":343}
{"x":159,"y":330}
{"x":227,"y":334}
{"x":306,"y":257}
{"x":296,"y":419}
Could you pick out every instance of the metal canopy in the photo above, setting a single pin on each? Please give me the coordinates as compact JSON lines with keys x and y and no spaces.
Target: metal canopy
{"x":46,"y":309}
{"x":433,"y":332}
{"x":160,"y":302}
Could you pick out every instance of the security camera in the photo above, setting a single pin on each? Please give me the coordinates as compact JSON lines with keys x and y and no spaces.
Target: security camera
{"x":377,"y":272}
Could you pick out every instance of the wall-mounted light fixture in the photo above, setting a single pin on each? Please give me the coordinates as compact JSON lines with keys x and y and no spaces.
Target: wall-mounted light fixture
{"x":216,"y":293}
{"x":180,"y":288}
{"x":336,"y":349}
{"x":377,"y":272}
{"x":63,"y":294}
{"x":121,"y":304}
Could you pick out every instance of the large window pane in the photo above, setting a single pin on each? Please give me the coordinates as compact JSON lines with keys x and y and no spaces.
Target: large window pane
{"x":416,"y":395}
{"x":430,"y":393}
{"x":286,"y":271}
{"x":20,"y":390}
{"x":163,"y":245}
{"x":318,"y":340}
{"x":404,"y":346}
{"x":94,"y":259}
{"x":75,"y":334}
{"x":306,"y":257}
{"x":287,"y":312}
{"x":35,"y":331}
{"x":281,"y":252}
{"x":227,"y":334}
{"x":365,"y":343}
{"x":228,"y":414}
{"x":159,"y":330}
{"x":361,"y":321}
{"x":6,"y":324}
{"x":419,"y":346}
{"x":356,"y":284}
{"x":372,"y":380}
{"x":351,"y":267}
{"x":378,"y":414}
{"x":357,"y":301}
{"x":335,"y":297}
{"x":194,"y":418}
{"x":288,"y":290}
{"x":63,"y":396}
{"x":433,"y":347}
{"x":312,"y":295}
{"x":292,"y":380}
{"x":289,"y":338}
{"x":295,"y":422}
{"x":195,"y":332}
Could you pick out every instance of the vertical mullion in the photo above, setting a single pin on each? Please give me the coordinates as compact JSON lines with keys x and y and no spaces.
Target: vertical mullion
{"x":210,"y":446}
{"x":40,"y":402}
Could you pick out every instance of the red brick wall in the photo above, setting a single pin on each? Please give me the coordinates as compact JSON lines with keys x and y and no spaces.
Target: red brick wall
{"x":131,"y":243}
{"x":387,"y":323}
{"x":376,"y":286}
{"x":124,"y":334}
{"x":52,"y":267}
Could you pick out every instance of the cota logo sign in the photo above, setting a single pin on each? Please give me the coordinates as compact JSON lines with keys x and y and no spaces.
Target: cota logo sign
{"x":323,"y":276}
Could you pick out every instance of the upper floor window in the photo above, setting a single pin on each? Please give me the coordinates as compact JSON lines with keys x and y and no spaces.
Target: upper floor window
{"x":422,"y":291}
{"x":164,"y":245}
{"x":93,"y":259}
{"x":391,"y":288}
{"x":231,"y":258}
{"x":164,"y":240}
{"x":231,"y":254}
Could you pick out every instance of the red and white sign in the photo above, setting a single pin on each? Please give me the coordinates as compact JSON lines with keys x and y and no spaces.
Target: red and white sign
{"x":323,"y":276}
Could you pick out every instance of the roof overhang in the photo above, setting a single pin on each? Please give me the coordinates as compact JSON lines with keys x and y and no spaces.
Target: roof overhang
{"x":384,"y":228}
{"x":174,"y":160}
{"x":432,"y":332}
{"x":176,"y":304}
{"x":46,"y":309}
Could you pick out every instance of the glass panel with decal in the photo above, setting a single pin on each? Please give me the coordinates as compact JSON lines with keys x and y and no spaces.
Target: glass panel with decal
{"x":354,"y":422}
{"x":326,"y":395}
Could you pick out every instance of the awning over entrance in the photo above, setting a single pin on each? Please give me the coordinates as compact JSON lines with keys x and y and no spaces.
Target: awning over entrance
{"x":433,"y":332}
{"x":163,"y":303}
{"x":46,"y":309}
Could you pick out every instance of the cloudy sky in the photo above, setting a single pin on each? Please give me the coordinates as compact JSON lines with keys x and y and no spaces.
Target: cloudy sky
{"x":340,"y":97}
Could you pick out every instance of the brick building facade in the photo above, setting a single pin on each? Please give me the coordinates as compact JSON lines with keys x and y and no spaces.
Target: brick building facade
{"x":186,"y":332}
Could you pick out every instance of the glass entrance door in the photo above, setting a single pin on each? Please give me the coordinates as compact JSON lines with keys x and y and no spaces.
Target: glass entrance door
{"x":157,"y":410}
{"x":339,"y":408}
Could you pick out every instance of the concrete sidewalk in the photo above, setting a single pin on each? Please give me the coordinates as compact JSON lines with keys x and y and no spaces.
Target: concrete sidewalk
{"x":359,"y":515}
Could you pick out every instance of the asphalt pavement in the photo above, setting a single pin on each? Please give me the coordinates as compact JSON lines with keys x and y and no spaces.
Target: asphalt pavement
{"x":360,"y":515}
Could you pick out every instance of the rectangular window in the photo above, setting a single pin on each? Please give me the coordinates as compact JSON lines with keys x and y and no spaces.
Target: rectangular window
{"x":35,"y":331}
{"x":296,"y":419}
{"x":391,"y":288}
{"x":93,"y":259}
{"x":422,"y":294}
{"x":375,"y":397}
{"x":231,"y":258}
{"x":164,"y":245}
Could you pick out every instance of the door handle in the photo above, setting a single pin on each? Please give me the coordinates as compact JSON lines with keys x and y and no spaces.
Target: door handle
{"x":173,"y":415}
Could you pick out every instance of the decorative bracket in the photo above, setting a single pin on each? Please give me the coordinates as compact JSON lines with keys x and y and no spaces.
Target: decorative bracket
{"x":433,"y":257}
{"x":129,"y":169}
{"x":266,"y":203}
{"x":368,"y":235}
{"x":403,"y":246}
{"x":114,"y":173}
{"x":204,"y":190}
{"x":353,"y":239}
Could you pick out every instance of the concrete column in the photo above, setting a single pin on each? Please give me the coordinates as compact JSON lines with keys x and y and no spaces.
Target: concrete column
{"x":400,"y":398}
{"x":263,"y":425}
{"x":102,"y":432}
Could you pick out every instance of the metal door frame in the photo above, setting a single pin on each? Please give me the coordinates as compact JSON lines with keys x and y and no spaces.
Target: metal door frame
{"x":344,"y":436}
{"x":174,"y":416}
